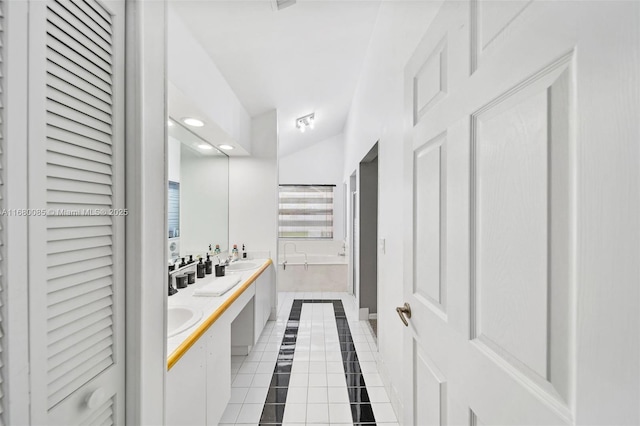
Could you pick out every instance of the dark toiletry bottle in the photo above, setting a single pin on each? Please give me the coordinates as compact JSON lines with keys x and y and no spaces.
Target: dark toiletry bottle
{"x":208,"y":266}
{"x":172,"y":290}
{"x":191,"y":277}
{"x":219,"y":270}
{"x":201,"y":269}
{"x":190,"y":260}
{"x":244,"y":252}
{"x":183,"y":263}
{"x":181,"y":281}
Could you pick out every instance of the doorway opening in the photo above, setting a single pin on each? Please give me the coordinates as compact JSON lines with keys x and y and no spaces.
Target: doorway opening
{"x":353,"y":232}
{"x":368,"y":238}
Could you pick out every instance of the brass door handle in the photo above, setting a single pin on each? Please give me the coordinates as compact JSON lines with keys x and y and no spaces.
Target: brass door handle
{"x":404,"y":311}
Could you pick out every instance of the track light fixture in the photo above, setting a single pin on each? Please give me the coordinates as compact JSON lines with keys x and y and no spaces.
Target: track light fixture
{"x":307,"y":121}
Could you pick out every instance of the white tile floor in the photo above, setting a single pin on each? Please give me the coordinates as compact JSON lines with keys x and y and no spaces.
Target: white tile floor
{"x":317,"y":389}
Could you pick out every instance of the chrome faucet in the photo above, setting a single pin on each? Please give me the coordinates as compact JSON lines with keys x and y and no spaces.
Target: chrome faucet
{"x":284,"y":248}
{"x":344,"y":249}
{"x":226,"y":262}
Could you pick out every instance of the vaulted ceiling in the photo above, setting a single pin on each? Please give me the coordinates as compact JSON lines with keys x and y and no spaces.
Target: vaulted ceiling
{"x":301,"y":59}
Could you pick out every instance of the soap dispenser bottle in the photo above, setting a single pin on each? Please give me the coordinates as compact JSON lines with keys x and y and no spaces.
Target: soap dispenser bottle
{"x":244,"y":252}
{"x":172,"y":290}
{"x":182,"y":264}
{"x":208,"y":266}
{"x":201,"y":268}
{"x":234,"y":252}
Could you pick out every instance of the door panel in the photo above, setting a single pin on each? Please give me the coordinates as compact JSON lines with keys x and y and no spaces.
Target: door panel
{"x":430,"y":83}
{"x":517,"y":298}
{"x":429,"y":199}
{"x":76,"y":175}
{"x":430,"y":391}
{"x":490,"y":22}
{"x":497,"y":189}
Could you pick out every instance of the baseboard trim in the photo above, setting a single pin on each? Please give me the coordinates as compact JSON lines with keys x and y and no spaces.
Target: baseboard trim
{"x":392,"y":391}
{"x":241,"y":350}
{"x":363,"y":314}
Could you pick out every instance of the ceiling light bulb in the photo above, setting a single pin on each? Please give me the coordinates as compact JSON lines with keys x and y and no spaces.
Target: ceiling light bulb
{"x":193,"y":122}
{"x":302,"y":128}
{"x":205,"y":146}
{"x":169,"y":123}
{"x":227,"y":147}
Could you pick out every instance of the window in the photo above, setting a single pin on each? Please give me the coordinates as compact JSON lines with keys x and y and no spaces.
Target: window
{"x":306,"y":211}
{"x":174,"y":209}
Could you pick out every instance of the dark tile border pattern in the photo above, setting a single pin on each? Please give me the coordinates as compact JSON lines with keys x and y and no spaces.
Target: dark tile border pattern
{"x":361,"y":410}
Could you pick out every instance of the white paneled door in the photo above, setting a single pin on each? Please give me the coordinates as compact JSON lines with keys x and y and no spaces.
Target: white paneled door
{"x":76,"y":176}
{"x":522,"y":223}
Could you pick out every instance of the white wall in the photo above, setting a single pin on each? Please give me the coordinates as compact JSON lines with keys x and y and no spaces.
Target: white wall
{"x":253,"y":189}
{"x":147,"y":221}
{"x":193,"y":72}
{"x":253,"y":194}
{"x":204,"y":191}
{"x":377,"y":114}
{"x":173,"y":159}
{"x":321,"y":163}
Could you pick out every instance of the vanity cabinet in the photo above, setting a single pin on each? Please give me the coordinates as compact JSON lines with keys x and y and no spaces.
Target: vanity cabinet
{"x":218,"y":358}
{"x":186,"y":395}
{"x":198,"y":385}
{"x":265,"y":289}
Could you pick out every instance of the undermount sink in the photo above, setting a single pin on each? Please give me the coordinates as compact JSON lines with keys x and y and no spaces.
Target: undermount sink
{"x":241,"y":266}
{"x":179,"y":318}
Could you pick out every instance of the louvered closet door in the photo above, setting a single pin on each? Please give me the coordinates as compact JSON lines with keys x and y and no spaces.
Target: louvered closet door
{"x":76,"y":173}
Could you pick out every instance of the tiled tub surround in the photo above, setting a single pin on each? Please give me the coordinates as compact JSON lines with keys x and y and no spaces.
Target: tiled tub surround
{"x":321,"y":273}
{"x":323,"y":381}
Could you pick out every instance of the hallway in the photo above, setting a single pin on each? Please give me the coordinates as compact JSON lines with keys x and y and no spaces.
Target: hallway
{"x":176,"y":177}
{"x":296,"y":372}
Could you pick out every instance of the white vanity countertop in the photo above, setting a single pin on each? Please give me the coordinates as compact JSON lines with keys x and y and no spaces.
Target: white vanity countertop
{"x":208,"y":304}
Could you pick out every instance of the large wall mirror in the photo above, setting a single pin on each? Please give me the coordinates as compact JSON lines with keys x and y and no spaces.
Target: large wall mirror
{"x":198,"y":194}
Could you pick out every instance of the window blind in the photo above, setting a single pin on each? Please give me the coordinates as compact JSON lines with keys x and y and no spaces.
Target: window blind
{"x":306,"y":211}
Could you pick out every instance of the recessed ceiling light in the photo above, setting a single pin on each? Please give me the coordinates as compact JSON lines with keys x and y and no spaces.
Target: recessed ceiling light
{"x":205,"y":146}
{"x":227,"y":147}
{"x":169,"y":123}
{"x":192,"y":122}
